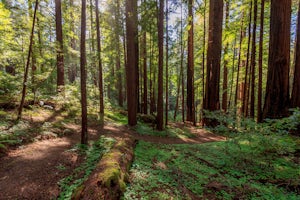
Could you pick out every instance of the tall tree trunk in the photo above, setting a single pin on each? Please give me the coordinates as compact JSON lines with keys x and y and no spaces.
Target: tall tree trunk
{"x":160,"y":29}
{"x":253,"y":61}
{"x":239,"y":62}
{"x":277,"y":92}
{"x":100,"y":63}
{"x":131,"y":68}
{"x":20,"y":109}
{"x":212,"y":101}
{"x":92,"y":52}
{"x":118,"y":58}
{"x":190,"y":96}
{"x":232,"y":74}
{"x":145,"y":96}
{"x":260,"y":62}
{"x":203,"y":57}
{"x":167,"y":65}
{"x":225,"y":72}
{"x":246,"y":86}
{"x":295,"y":100}
{"x":181,"y":65}
{"x":84,"y":133}
{"x":59,"y":47}
{"x":72,"y":72}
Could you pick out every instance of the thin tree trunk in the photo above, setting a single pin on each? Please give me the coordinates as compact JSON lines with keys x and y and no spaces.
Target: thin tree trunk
{"x":160,"y":29}
{"x":277,"y":91}
{"x":28,"y":63}
{"x":145,"y":97}
{"x":246,"y":88}
{"x":225,"y":72}
{"x":239,"y":62}
{"x":59,"y":47}
{"x":167,"y":65}
{"x":260,"y":62}
{"x":100,"y":63}
{"x":118,"y":59}
{"x":84,"y":133}
{"x":181,"y":66}
{"x":203,"y":57}
{"x":253,"y":62}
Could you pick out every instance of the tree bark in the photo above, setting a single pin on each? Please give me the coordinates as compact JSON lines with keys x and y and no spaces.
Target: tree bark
{"x":167,"y":65}
{"x":20,"y":109}
{"x":160,"y":29}
{"x":131,"y":68}
{"x":181,"y":66}
{"x":277,"y":91}
{"x":100,"y":63}
{"x":225,"y":72}
{"x":260,"y":63}
{"x":253,"y":62}
{"x":84,"y":133}
{"x":295,"y":100}
{"x":190,"y":96}
{"x":59,"y":47}
{"x":212,"y":101}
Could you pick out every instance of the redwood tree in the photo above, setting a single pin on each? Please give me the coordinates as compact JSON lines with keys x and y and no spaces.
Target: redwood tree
{"x":277,"y":91}
{"x":211,"y":99}
{"x":160,"y":29}
{"x":260,"y":62}
{"x":84,"y":135}
{"x":295,"y":101}
{"x":100,"y":62}
{"x":20,"y":109}
{"x":131,"y":68}
{"x":59,"y":46}
{"x":190,"y":96}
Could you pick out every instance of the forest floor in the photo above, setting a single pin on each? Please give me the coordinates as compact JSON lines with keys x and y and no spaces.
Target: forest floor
{"x":44,"y":150}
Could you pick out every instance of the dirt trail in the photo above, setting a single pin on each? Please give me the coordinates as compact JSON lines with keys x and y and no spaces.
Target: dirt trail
{"x":33,"y":170}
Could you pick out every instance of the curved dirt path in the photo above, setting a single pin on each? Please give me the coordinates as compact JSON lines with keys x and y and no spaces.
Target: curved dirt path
{"x":33,"y":170}
{"x":201,"y":135}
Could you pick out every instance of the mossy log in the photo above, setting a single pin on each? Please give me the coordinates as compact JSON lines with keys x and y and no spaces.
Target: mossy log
{"x":108,"y":181}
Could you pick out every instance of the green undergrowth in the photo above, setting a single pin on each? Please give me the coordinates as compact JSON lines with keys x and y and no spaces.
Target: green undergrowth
{"x":247,"y":167}
{"x":93,"y":154}
{"x":145,"y":129}
{"x":116,"y":117}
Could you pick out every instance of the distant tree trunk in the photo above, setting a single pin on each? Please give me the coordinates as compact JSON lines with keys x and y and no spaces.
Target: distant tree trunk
{"x":59,"y":47}
{"x":295,"y":100}
{"x":72,"y":72}
{"x":260,"y":61}
{"x":253,"y":62}
{"x":190,"y":96}
{"x":239,"y":63}
{"x":203,"y":57}
{"x":177,"y":94}
{"x":160,"y":29}
{"x":181,"y":66}
{"x":100,"y":63}
{"x":118,"y":58}
{"x":212,"y":101}
{"x":277,"y":91}
{"x":131,"y":68}
{"x":246,"y":88}
{"x":84,"y":133}
{"x":225,"y":72}
{"x":167,"y":65}
{"x":145,"y":93}
{"x":233,"y":71}
{"x":28,"y":63}
{"x":92,"y":49}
